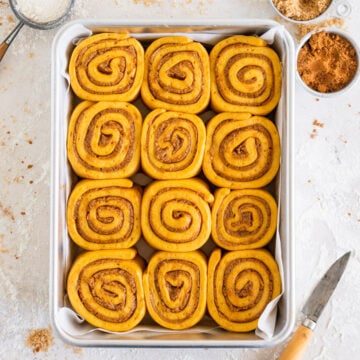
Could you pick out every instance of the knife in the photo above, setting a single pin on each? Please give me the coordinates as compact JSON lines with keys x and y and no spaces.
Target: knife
{"x":313,"y":309}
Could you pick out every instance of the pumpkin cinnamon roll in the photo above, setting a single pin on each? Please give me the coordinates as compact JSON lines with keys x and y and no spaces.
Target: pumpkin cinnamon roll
{"x":172,"y":144}
{"x":107,"y":67}
{"x":104,"y":140}
{"x":175,"y":214}
{"x":177,"y":75}
{"x":240,"y":285}
{"x":104,"y":214}
{"x":243,"y":219}
{"x":175,"y":288}
{"x":242,"y":151}
{"x":105,"y":288}
{"x":245,"y":76}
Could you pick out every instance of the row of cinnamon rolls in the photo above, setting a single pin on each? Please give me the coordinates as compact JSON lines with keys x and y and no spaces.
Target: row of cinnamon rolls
{"x":109,"y":140}
{"x":113,"y":289}
{"x":172,"y":215}
{"x":241,"y":73}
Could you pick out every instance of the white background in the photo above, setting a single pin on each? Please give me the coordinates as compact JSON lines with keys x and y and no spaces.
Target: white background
{"x":327,"y":190}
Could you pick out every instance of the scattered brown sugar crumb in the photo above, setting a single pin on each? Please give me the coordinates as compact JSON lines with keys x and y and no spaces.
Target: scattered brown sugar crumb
{"x":301,"y":9}
{"x":23,"y":213}
{"x":76,"y":350}
{"x":39,"y":339}
{"x":349,"y":213}
{"x":313,"y":134}
{"x":309,"y":181}
{"x":19,"y":179}
{"x":318,"y":123}
{"x":3,"y":249}
{"x":31,"y":182}
{"x":31,"y":55}
{"x":303,"y":29}
{"x":30,"y":166}
{"x":30,"y":142}
{"x":349,"y":105}
{"x":146,"y":2}
{"x":7,"y":212}
{"x":317,"y":99}
{"x":10,"y":19}
{"x":327,"y":62}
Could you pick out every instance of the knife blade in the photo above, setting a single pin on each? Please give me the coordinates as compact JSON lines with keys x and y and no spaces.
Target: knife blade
{"x":314,"y":307}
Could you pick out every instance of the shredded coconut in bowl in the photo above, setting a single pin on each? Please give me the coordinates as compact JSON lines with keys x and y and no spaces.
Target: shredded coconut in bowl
{"x":42,"y":11}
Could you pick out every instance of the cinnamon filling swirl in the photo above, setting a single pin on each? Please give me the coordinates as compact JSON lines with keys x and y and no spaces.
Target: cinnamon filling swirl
{"x":176,"y":214}
{"x":104,"y":140}
{"x":172,"y":144}
{"x":104,"y":214}
{"x":107,"y":67}
{"x":243,"y":219}
{"x":245,"y":76}
{"x":105,"y":288}
{"x":175,"y":288}
{"x":111,"y":289}
{"x":242,"y":151}
{"x":177,"y":75}
{"x":241,"y":284}
{"x":256,"y":81}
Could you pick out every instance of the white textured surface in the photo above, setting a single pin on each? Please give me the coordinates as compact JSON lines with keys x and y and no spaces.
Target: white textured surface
{"x":327,"y":190}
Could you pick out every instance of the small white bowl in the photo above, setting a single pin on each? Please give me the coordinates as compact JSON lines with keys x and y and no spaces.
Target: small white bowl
{"x":340,"y":9}
{"x":346,"y":36}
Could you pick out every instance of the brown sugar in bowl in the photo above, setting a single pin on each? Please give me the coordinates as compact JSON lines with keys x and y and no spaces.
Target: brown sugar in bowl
{"x":299,"y":11}
{"x":327,"y":62}
{"x":310,"y":12}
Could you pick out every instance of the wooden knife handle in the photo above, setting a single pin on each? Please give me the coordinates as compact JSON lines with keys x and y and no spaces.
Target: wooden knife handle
{"x":298,"y":344}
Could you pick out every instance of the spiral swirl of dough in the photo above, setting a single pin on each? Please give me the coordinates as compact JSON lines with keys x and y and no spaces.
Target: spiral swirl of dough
{"x":240,"y":285}
{"x":175,"y":288}
{"x":107,"y":67}
{"x":104,"y":140}
{"x":245,"y":76}
{"x":242,"y":151}
{"x":177,"y":75}
{"x":105,"y":288}
{"x":172,"y":144}
{"x":104,"y":214}
{"x":175,"y":214}
{"x":243,"y":219}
